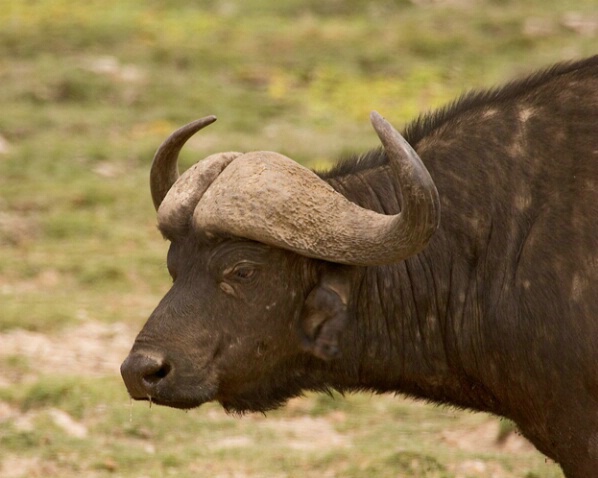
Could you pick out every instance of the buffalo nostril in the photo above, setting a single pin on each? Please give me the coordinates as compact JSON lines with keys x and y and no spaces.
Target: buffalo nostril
{"x":142,"y":372}
{"x":154,"y":376}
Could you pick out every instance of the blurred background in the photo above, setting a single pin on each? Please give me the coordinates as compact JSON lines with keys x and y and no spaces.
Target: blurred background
{"x":88,"y":90}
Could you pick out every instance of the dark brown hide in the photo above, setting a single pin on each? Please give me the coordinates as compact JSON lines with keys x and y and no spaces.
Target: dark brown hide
{"x":498,"y":313}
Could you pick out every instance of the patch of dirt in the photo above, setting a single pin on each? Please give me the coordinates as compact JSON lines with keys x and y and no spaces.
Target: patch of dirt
{"x":17,"y":228}
{"x":479,"y":468}
{"x":233,"y":441}
{"x":91,"y":349}
{"x":4,"y":145}
{"x":7,"y":411}
{"x":111,"y":67}
{"x":308,"y":433}
{"x":16,"y":467}
{"x":484,"y":438}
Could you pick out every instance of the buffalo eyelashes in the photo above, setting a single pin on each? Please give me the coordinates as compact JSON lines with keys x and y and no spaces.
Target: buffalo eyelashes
{"x":242,"y":272}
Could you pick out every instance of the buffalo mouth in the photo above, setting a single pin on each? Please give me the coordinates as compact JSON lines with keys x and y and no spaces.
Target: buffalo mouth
{"x":184,"y":398}
{"x":174,"y":401}
{"x":149,"y":377}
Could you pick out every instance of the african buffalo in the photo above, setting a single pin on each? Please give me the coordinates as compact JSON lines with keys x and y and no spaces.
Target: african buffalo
{"x":286,"y":280}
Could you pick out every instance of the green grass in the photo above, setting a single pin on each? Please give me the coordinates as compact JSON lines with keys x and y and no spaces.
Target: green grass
{"x":347,"y":438}
{"x":90,"y":89}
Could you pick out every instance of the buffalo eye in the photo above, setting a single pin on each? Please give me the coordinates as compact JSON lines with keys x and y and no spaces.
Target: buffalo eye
{"x":242,"y":272}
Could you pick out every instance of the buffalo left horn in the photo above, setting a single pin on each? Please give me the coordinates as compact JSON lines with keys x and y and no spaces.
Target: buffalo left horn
{"x":267,"y":197}
{"x":165,"y":171}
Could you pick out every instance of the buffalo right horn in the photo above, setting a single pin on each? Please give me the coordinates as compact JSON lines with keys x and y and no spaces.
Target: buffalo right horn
{"x":270,"y":198}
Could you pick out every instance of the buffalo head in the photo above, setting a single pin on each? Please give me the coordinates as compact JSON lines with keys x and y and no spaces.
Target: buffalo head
{"x":262,"y":256}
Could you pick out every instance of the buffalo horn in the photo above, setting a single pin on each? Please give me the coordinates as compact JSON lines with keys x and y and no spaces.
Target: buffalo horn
{"x":270,"y":198}
{"x":165,"y":171}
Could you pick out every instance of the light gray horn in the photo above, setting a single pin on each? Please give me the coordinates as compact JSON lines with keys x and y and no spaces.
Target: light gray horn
{"x":165,"y":171}
{"x":269,"y":198}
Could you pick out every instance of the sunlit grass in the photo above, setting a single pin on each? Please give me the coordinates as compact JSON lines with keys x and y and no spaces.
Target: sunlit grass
{"x":90,"y":89}
{"x":339,"y":437}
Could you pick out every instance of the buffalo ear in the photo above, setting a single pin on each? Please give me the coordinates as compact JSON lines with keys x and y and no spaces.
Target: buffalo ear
{"x":324,"y":315}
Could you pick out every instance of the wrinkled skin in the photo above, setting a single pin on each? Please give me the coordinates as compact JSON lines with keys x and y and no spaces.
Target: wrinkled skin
{"x":499,"y":312}
{"x":223,"y":348}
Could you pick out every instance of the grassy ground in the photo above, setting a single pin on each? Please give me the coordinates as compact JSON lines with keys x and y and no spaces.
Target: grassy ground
{"x":89,"y":90}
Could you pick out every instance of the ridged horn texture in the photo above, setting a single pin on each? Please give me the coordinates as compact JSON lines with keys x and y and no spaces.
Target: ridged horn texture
{"x":267,"y":197}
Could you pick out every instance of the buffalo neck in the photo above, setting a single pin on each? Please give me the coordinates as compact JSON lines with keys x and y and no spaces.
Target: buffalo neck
{"x":406,"y":331}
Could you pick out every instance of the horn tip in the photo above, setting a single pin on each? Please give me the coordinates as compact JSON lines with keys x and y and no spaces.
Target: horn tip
{"x":375,"y":117}
{"x":206,"y":120}
{"x":379,"y":123}
{"x":382,"y":127}
{"x":201,"y":122}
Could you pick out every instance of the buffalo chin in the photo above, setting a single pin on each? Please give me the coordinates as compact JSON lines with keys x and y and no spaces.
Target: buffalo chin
{"x":181,"y":405}
{"x":257,"y":401}
{"x":240,"y":407}
{"x":179,"y":401}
